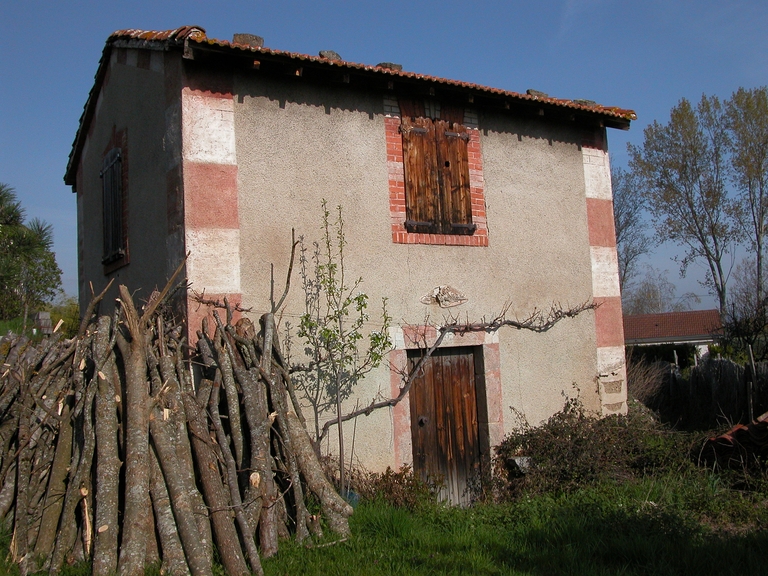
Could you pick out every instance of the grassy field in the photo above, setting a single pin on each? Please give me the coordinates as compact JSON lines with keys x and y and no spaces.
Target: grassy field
{"x":652,"y":526}
{"x":613,"y":496}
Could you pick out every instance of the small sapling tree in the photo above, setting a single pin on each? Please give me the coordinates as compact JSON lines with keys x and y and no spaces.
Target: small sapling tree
{"x":334,"y":329}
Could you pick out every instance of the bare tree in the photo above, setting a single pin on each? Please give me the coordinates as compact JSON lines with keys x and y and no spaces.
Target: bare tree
{"x":537,"y":321}
{"x":681,"y":167}
{"x":654,"y":294}
{"x":631,"y":240}
{"x":747,"y":121}
{"x":746,"y":322}
{"x":333,"y":329}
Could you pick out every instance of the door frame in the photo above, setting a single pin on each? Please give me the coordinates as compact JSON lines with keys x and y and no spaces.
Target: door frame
{"x":488,"y":384}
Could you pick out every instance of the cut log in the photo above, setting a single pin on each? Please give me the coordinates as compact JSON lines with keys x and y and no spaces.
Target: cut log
{"x":214,"y":492}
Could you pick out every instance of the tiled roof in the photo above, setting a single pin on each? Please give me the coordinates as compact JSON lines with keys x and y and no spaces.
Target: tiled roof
{"x":695,"y":325}
{"x":196,"y":36}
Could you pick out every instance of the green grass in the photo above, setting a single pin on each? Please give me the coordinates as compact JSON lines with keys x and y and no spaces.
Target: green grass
{"x":13,"y":325}
{"x":644,"y":527}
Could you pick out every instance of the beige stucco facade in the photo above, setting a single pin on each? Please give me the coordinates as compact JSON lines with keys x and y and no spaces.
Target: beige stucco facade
{"x":223,"y":164}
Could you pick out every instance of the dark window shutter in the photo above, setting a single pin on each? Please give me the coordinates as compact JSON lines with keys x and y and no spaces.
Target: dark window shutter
{"x":422,"y":205}
{"x":411,"y":107}
{"x":453,"y":166}
{"x":452,"y":114}
{"x":112,"y":199}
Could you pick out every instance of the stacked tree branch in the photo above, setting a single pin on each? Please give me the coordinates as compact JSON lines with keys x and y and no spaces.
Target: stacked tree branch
{"x":126,"y":447}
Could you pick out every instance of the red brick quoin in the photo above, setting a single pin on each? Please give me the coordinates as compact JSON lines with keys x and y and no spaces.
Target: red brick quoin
{"x":397,"y":192}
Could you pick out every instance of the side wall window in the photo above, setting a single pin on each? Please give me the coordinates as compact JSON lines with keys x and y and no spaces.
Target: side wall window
{"x":113,"y":198}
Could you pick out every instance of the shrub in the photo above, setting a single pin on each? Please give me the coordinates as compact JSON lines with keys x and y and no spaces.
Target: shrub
{"x":574,"y":449}
{"x":645,"y":379}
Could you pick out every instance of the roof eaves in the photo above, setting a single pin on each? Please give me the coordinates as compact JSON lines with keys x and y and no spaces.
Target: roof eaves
{"x":196,"y":35}
{"x":611,"y":111}
{"x":146,"y":39}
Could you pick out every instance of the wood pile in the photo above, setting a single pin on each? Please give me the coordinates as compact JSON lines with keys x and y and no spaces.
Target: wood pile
{"x":112,"y":452}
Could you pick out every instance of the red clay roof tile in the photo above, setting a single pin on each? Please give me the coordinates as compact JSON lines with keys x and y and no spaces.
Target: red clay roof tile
{"x":672,"y":326}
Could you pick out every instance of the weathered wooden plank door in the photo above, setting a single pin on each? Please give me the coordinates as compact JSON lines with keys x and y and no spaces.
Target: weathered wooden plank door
{"x":444,"y":423}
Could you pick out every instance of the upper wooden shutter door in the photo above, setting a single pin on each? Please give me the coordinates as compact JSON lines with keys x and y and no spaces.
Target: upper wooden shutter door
{"x":422,"y":204}
{"x":453,"y":166}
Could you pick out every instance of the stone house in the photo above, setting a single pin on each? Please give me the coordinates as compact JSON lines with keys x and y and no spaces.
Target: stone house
{"x":219,"y":149}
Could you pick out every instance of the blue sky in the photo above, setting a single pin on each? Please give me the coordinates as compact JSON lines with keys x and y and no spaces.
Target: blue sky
{"x":640,"y":55}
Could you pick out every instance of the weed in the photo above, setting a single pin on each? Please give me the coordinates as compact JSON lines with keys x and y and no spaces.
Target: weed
{"x":401,"y":489}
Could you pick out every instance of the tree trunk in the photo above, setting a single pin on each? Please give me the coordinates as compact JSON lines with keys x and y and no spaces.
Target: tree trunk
{"x":107,"y":456}
{"x":134,"y":544}
{"x":215,"y":494}
{"x":174,"y":562}
{"x":335,"y":510}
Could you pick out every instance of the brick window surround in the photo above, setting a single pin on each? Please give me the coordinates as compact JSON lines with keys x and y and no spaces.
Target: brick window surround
{"x":396,"y":172}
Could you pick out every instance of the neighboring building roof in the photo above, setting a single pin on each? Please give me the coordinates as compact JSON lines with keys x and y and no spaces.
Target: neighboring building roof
{"x":669,"y":327}
{"x":191,"y":37}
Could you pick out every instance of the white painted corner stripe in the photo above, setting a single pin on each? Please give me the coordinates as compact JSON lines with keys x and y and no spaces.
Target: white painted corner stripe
{"x":605,"y":271}
{"x":214,"y":261}
{"x":208,"y":129}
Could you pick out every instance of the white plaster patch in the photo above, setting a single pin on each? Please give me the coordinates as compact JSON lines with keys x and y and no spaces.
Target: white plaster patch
{"x":491,"y":337}
{"x":397,"y":337}
{"x":612,"y":377}
{"x":214,"y":261}
{"x":605,"y":271}
{"x":610,"y":362}
{"x":597,"y":174}
{"x":208,"y":129}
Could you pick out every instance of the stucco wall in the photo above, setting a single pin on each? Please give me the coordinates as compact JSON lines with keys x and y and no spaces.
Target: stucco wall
{"x":296,"y":144}
{"x":132,"y":102}
{"x":227,"y":166}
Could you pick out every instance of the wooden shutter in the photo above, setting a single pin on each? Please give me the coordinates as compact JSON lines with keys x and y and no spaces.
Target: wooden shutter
{"x":112,"y":200}
{"x":453,"y":166}
{"x":452,"y":114}
{"x":436,"y":165}
{"x":422,"y":206}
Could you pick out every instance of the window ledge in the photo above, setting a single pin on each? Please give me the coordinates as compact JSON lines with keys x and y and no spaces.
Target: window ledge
{"x":402,"y":236}
{"x":115,"y":265}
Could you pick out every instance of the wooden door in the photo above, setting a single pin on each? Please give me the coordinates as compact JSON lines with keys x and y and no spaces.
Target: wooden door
{"x":444,"y":423}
